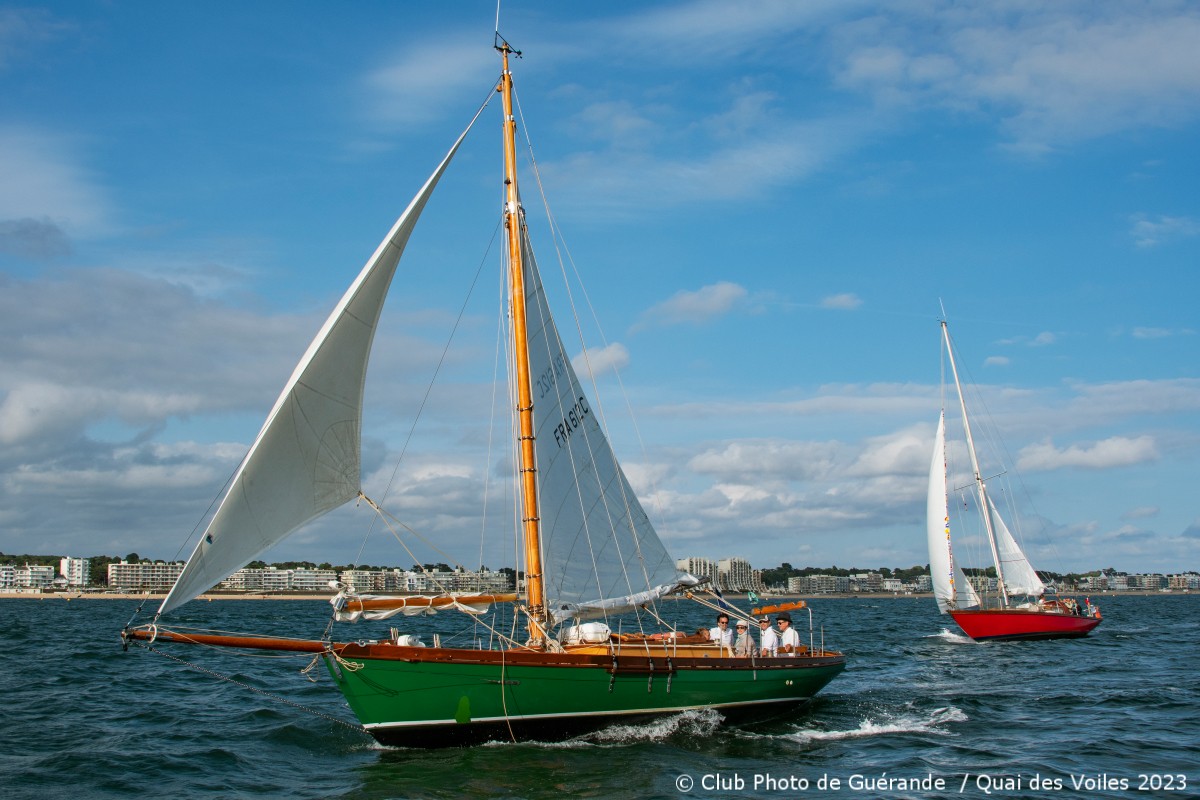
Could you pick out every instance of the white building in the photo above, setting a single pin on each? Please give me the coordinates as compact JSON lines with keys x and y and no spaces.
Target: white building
{"x":259,"y":579}
{"x":1187,"y":580}
{"x":361,"y":580}
{"x":77,"y":571}
{"x":735,"y":575}
{"x":157,"y":576}
{"x":819,"y":584}
{"x":983,"y":583}
{"x":312,"y":580}
{"x":866,"y":582}
{"x":699,"y":567}
{"x":32,"y":576}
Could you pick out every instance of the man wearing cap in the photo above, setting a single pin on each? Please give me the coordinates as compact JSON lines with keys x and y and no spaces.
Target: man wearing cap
{"x":769,"y":643}
{"x":789,"y":640}
{"x":743,"y":642}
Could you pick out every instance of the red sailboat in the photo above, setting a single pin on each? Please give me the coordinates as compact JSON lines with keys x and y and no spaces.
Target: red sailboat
{"x":1021,"y":610}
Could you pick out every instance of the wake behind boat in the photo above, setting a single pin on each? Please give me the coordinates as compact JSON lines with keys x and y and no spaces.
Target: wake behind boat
{"x":1019,"y":609}
{"x":590,"y":554}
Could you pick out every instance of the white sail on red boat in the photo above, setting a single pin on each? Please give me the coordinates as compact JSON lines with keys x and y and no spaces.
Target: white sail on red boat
{"x":589,"y":550}
{"x":1019,"y":609}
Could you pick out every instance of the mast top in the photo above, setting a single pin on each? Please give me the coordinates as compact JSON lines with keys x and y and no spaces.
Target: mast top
{"x":502,"y":45}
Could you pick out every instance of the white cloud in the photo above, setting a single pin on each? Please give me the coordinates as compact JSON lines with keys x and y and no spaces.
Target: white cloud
{"x":33,"y":412}
{"x":44,"y":182}
{"x":1148,"y":232}
{"x":684,"y":167}
{"x":23,"y":30}
{"x":1050,"y":74}
{"x":904,"y":452}
{"x":870,"y":400}
{"x":782,"y":460}
{"x":426,"y":79}
{"x":703,"y":305}
{"x":847,"y":301}
{"x":618,"y":122}
{"x":1161,"y":333}
{"x":997,"y":361}
{"x":686,"y":32}
{"x":1042,"y":339}
{"x":598,"y":361}
{"x":1141,"y":512}
{"x":34,"y":239}
{"x":1097,"y":402}
{"x":1118,"y":451}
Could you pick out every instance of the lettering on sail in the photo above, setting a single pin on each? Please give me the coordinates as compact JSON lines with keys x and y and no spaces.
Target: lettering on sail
{"x":571,"y":420}
{"x":546,"y":381}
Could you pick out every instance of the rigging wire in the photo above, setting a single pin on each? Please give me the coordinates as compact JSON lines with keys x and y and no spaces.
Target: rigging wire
{"x":984,"y":423}
{"x":429,"y":388}
{"x":559,"y":245}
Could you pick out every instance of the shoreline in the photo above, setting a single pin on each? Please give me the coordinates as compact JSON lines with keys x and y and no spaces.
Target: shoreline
{"x":109,"y":595}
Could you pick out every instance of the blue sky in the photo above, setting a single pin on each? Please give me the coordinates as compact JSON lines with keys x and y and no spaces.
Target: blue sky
{"x":766,"y":202}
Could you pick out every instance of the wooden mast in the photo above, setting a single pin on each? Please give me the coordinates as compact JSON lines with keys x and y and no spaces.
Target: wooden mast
{"x":514,"y":221}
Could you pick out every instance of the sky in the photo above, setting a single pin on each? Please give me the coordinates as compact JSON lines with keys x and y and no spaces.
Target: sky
{"x":768,"y":203}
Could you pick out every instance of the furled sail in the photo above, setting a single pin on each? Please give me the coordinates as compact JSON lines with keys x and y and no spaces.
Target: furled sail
{"x":351,"y":607}
{"x":950,"y":586}
{"x":600,"y":553}
{"x":305,"y":461}
{"x":1019,"y":575}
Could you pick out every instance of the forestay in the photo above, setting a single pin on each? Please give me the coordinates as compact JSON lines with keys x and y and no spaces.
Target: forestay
{"x":1019,"y":575}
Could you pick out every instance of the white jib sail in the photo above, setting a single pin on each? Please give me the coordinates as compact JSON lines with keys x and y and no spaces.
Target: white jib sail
{"x":600,"y":553}
{"x":305,"y":461}
{"x":1019,"y":575}
{"x":950,"y":586}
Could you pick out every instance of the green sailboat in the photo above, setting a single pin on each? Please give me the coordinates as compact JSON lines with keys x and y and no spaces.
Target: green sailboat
{"x":590,"y":554}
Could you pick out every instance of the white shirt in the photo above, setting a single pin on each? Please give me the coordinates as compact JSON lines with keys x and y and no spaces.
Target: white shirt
{"x":721,"y":637}
{"x":770,"y":641}
{"x":790,"y":637}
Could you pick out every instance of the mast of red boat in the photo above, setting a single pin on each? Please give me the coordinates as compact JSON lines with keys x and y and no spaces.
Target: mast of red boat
{"x":985,"y":504}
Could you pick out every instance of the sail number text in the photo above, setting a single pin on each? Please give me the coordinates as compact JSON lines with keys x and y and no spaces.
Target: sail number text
{"x":571,"y":420}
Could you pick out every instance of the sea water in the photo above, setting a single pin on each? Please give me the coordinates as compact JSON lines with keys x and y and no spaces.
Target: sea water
{"x":921,"y":711}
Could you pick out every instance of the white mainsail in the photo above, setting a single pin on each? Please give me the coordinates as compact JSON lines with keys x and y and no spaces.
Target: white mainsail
{"x":1019,"y":575}
{"x":950,"y":586}
{"x":306,"y":459}
{"x":600,"y":552}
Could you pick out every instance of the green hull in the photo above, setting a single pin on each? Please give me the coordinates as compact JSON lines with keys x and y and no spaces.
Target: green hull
{"x":427,"y":698}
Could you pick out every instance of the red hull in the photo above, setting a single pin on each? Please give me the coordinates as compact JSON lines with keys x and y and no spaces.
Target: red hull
{"x":985,"y":624}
